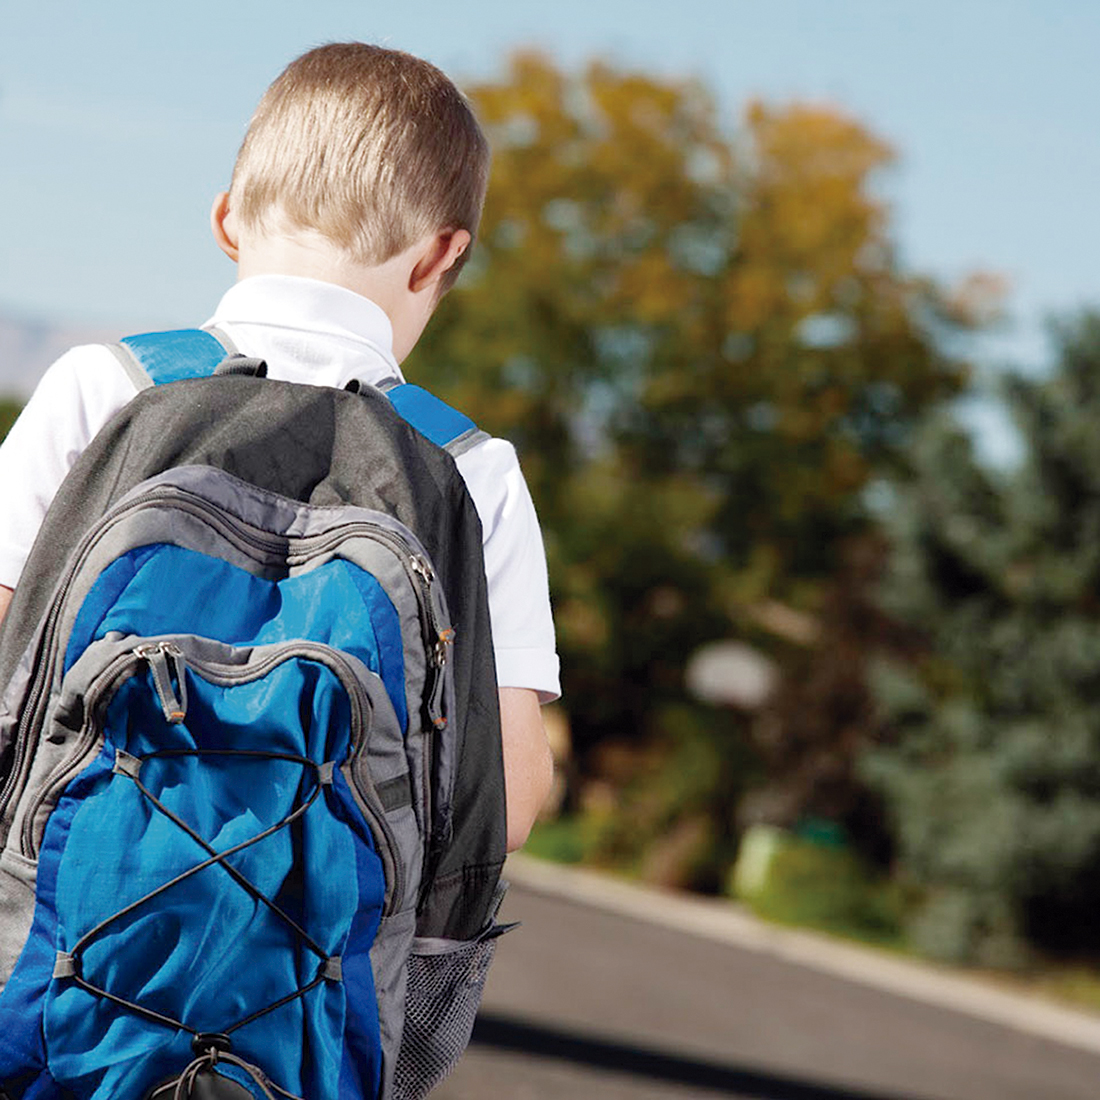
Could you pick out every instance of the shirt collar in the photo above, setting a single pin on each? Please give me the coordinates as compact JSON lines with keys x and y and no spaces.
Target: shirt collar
{"x":309,"y":306}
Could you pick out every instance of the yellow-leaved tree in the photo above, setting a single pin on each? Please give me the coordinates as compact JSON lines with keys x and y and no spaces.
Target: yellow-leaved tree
{"x":702,"y":342}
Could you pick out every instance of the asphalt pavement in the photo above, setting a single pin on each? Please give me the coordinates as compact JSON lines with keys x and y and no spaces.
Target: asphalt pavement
{"x":613,"y":992}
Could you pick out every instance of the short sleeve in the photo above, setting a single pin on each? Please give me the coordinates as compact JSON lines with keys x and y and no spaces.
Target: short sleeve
{"x":515,"y":568}
{"x":79,"y":393}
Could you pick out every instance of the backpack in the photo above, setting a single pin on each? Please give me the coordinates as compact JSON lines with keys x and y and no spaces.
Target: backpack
{"x":252,"y":805}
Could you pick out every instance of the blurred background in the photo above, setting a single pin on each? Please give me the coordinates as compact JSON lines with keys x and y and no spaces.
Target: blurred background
{"x":792,"y":312}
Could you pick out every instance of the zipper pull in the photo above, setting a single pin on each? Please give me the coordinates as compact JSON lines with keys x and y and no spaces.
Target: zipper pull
{"x":443,"y":635}
{"x":164,"y":658}
{"x":444,"y":638}
{"x":422,"y":566}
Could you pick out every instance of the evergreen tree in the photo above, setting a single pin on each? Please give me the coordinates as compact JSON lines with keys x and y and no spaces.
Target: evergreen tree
{"x":991,"y":764}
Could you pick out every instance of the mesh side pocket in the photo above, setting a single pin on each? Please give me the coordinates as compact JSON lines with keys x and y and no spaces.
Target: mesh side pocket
{"x":446,"y":980}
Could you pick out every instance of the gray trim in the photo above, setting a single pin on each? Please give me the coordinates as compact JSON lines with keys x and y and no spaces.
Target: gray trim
{"x":125,"y":764}
{"x":389,"y":962}
{"x":466,"y":442}
{"x":17,"y":900}
{"x":129,"y":363}
{"x":270,"y":511}
{"x":64,"y":965}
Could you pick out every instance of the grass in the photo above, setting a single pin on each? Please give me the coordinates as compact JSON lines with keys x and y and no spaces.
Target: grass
{"x":563,"y":840}
{"x":1078,"y":985}
{"x":825,"y":887}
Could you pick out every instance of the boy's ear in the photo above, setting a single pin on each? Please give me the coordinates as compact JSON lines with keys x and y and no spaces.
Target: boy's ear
{"x":224,"y":226}
{"x":440,"y":254}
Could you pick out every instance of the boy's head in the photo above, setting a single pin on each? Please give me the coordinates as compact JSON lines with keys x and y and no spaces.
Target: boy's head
{"x":373,"y":149}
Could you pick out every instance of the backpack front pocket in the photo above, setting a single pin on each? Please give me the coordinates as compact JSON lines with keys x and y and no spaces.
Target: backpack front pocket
{"x":221,"y":859}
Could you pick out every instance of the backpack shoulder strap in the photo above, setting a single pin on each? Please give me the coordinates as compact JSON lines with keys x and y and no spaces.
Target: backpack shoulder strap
{"x":153,"y":358}
{"x":455,"y":432}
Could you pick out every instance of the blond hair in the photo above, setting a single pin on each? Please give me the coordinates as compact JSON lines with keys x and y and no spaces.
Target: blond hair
{"x":372,"y":148}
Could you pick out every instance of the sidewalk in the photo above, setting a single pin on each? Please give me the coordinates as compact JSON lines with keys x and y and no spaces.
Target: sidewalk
{"x":727,"y":922}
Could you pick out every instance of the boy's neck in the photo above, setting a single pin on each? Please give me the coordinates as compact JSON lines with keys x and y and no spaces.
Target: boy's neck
{"x":309,"y":255}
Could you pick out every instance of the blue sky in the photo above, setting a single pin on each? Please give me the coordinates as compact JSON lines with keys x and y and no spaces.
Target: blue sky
{"x":119,"y":121}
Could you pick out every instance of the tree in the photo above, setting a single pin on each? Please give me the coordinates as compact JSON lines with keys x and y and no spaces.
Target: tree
{"x":9,"y":410}
{"x":992,"y":759}
{"x":704,"y":348}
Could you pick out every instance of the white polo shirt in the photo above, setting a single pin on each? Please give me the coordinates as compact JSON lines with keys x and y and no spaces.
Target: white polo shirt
{"x":318,"y":334}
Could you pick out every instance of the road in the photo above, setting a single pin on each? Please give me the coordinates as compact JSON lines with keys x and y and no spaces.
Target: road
{"x":584,"y":1003}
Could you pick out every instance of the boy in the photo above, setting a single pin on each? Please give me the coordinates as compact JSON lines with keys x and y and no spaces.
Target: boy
{"x":354,"y":202}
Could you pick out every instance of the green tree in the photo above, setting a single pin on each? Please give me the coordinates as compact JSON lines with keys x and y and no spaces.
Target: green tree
{"x":704,"y":347}
{"x":992,"y":763}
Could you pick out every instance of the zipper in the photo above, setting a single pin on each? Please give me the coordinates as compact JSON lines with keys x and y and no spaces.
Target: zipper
{"x":157,"y":655}
{"x":434,"y":691}
{"x":416,"y":567}
{"x":438,"y":637}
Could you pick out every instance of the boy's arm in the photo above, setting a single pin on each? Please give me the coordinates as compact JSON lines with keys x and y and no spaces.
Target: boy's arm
{"x":528,"y":765}
{"x":76,"y":396}
{"x":523,"y":627}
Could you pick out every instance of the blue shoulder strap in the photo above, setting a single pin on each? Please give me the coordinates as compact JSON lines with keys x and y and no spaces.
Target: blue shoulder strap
{"x":444,"y":426}
{"x":173,"y":356}
{"x":153,"y":358}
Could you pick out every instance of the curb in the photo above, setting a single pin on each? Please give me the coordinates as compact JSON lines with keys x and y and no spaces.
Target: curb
{"x":726,"y":922}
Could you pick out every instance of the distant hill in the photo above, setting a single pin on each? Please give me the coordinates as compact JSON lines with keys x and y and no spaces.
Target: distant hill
{"x":29,"y":345}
